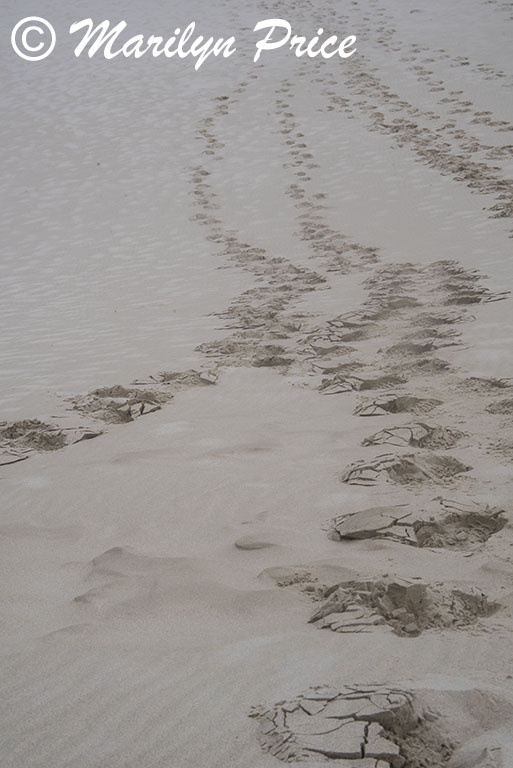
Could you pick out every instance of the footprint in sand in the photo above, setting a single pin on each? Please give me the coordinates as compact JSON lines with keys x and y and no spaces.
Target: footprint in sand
{"x":462,"y":526}
{"x":393,"y":403}
{"x":458,"y":530}
{"x":502,"y":407}
{"x":485,"y":385}
{"x":409,"y":608}
{"x":403,"y":469}
{"x":119,"y":404}
{"x":19,"y":439}
{"x":352,"y":724}
{"x":385,"y":726}
{"x":340,"y":384}
{"x":418,"y":435}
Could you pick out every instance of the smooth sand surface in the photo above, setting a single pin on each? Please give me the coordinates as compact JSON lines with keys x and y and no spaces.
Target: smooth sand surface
{"x":277,"y":296}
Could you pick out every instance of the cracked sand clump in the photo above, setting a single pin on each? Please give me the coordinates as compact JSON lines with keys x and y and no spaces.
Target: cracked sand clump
{"x":335,"y":334}
{"x":137,"y":395}
{"x":483,"y":384}
{"x":449,"y":317}
{"x":392,"y":522}
{"x":32,"y":434}
{"x":246,"y":350}
{"x":119,"y":404}
{"x":503,"y":407}
{"x":465,"y":293}
{"x":463,"y":526}
{"x":18,"y":439}
{"x":403,"y":469}
{"x":409,"y":608}
{"x":340,"y":384}
{"x":461,"y":285}
{"x":305,"y":582}
{"x":420,"y":346}
{"x":231,"y":347}
{"x":271,"y":356}
{"x":458,"y":531}
{"x":358,"y":726}
{"x":418,"y":366}
{"x":394,"y":403}
{"x":418,"y":435}
{"x":185,"y":379}
{"x":359,"y":320}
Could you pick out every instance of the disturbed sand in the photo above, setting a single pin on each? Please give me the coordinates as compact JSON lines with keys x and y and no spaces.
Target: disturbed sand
{"x":265,"y":513}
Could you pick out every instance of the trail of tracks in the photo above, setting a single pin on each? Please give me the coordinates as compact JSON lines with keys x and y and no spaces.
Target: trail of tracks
{"x":418,"y":404}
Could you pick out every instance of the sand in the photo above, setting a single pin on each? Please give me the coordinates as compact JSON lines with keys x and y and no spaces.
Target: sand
{"x":255,"y":436}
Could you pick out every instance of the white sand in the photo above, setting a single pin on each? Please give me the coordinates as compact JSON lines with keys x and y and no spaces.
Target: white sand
{"x":135,"y":633}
